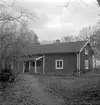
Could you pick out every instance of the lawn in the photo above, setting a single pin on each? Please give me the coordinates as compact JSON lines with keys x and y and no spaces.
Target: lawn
{"x":82,"y":90}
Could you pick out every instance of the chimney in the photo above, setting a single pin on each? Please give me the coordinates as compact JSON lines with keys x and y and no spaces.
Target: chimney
{"x":57,"y":41}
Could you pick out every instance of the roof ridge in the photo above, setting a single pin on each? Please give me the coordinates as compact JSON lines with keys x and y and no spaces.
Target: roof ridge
{"x":62,"y":43}
{"x":74,"y":46}
{"x":36,"y":45}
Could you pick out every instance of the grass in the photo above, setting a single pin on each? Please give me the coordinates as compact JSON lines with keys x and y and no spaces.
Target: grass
{"x":84,"y":90}
{"x":19,"y":93}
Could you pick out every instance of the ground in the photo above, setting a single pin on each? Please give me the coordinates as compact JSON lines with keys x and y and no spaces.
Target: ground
{"x":50,"y":90}
{"x":28,"y":91}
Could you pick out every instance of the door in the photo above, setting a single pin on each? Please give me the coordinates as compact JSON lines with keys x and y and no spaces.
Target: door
{"x":26,"y":66}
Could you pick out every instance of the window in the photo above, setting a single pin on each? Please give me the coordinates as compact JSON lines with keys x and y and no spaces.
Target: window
{"x":86,"y":64}
{"x":86,"y":51}
{"x":59,"y":64}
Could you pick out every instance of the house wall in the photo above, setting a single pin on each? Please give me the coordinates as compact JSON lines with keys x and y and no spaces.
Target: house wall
{"x":88,"y":57}
{"x":69,"y":63}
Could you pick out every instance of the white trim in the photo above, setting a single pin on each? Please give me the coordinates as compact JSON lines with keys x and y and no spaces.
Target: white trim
{"x":43,"y":63}
{"x":79,"y":64}
{"x":56,"y":64}
{"x":35,"y":66}
{"x":84,"y":46}
{"x":23,"y":66}
{"x":36,"y":63}
{"x":77,"y":61}
{"x":39,"y":58}
{"x":29,"y":66}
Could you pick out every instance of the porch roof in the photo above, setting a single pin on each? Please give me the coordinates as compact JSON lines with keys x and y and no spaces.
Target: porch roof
{"x":29,"y":58}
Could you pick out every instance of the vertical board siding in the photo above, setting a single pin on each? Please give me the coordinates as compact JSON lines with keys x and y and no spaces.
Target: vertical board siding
{"x":88,"y":57}
{"x":69,"y":63}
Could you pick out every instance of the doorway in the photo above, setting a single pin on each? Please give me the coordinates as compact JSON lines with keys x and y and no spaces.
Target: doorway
{"x":26,"y":70}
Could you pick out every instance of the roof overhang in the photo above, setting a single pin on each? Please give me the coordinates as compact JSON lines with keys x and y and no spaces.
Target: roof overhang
{"x":98,"y":1}
{"x":88,"y":42}
{"x":84,"y":45}
{"x":31,"y":58}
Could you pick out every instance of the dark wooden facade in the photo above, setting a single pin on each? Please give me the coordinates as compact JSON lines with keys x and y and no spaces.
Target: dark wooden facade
{"x":88,"y":57}
{"x":69,"y":63}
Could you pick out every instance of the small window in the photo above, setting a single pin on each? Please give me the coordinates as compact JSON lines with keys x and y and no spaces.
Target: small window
{"x":86,"y":51}
{"x":59,"y":64}
{"x":86,"y":64}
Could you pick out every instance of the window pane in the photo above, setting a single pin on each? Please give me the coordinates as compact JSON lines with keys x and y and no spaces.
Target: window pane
{"x":86,"y":51}
{"x":57,"y":64}
{"x":86,"y":64}
{"x":60,"y":64}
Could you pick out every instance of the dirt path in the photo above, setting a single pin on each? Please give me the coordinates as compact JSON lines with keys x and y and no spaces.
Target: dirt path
{"x":42,"y":96}
{"x":29,"y":90}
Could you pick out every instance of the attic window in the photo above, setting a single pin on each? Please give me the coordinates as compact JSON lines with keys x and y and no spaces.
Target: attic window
{"x":59,"y":64}
{"x":86,"y":51}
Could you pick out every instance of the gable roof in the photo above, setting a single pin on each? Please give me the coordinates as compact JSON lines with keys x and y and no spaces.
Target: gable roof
{"x":71,"y":47}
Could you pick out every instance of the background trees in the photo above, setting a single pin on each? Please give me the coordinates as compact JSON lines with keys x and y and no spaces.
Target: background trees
{"x":14,"y":31}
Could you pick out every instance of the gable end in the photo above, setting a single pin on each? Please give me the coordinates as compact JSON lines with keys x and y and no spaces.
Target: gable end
{"x":85,"y":46}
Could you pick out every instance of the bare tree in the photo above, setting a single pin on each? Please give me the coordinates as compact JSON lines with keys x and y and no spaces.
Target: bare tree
{"x":47,"y":42}
{"x":91,"y":33}
{"x":67,"y":39}
{"x":13,"y":31}
{"x":10,"y":14}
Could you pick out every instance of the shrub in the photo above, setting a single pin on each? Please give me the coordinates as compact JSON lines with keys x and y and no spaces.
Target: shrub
{"x":7,"y":75}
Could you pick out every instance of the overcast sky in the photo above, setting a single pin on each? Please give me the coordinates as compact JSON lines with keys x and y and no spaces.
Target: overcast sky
{"x":55,"y":21}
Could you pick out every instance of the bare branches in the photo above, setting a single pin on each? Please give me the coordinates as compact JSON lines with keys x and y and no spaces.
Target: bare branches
{"x":68,"y":4}
{"x":3,"y":26}
{"x":14,"y":33}
{"x":7,"y":3}
{"x":74,"y":1}
{"x":13,"y":13}
{"x":98,"y":3}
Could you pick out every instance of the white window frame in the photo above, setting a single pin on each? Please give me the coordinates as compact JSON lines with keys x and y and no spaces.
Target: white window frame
{"x":60,"y":60}
{"x":86,"y":64}
{"x":86,"y":51}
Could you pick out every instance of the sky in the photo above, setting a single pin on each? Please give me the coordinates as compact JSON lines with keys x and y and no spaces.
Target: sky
{"x":55,"y":21}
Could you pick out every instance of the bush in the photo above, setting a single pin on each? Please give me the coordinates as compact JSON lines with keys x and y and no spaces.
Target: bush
{"x":7,"y":75}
